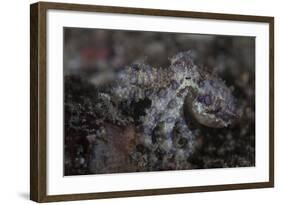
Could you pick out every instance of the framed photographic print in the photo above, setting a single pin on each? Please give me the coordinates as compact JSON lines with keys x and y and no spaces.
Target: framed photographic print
{"x":134,"y":102}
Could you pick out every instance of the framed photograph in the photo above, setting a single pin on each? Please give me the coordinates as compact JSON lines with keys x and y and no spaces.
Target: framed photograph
{"x":134,"y":102}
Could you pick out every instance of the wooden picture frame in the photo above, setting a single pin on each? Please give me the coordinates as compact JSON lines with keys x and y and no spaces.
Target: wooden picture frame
{"x":39,"y":112}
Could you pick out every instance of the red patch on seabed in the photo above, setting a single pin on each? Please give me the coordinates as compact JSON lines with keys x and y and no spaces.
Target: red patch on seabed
{"x":121,"y":139}
{"x":89,"y":53}
{"x":121,"y":142}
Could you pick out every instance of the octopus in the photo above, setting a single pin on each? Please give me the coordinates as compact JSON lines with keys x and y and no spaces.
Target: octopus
{"x":160,"y":103}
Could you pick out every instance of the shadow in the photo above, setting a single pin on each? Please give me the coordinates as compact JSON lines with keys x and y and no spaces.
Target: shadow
{"x":24,"y":195}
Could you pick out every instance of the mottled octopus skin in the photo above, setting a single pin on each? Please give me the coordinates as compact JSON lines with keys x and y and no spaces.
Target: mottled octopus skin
{"x":210,"y":98}
{"x":183,"y":86}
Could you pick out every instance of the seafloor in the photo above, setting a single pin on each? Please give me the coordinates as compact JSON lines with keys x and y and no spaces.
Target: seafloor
{"x":118,"y":146}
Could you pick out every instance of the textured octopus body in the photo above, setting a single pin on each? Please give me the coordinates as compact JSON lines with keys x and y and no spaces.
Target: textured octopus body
{"x":157,"y":100}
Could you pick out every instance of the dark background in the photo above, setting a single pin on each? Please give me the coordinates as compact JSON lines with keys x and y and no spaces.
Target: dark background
{"x":89,"y":51}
